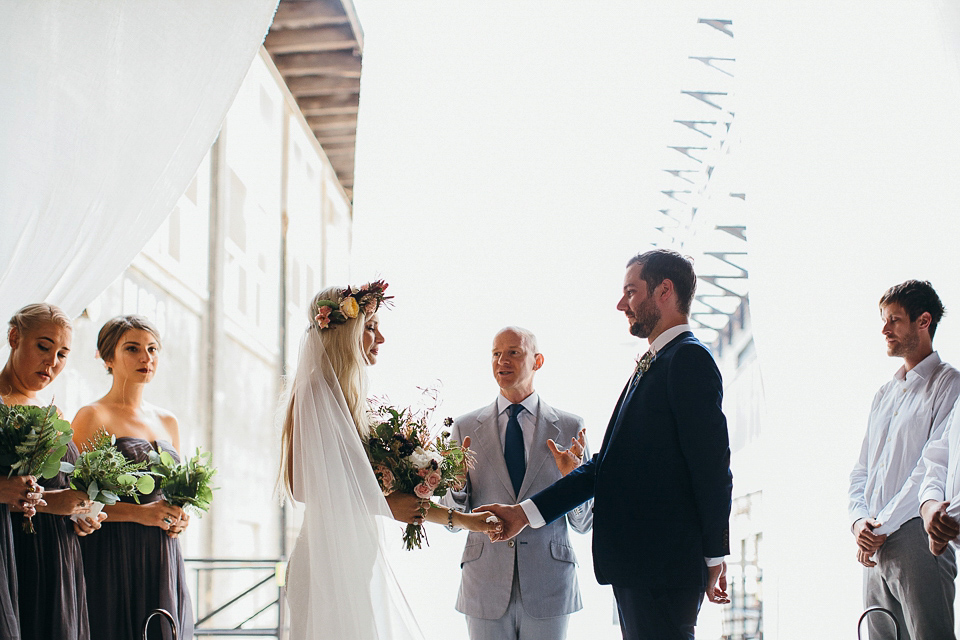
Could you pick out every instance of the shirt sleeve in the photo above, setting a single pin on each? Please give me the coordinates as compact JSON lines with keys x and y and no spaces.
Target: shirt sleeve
{"x":935,"y":457}
{"x":533,"y":514}
{"x":858,"y":477}
{"x":904,"y":505}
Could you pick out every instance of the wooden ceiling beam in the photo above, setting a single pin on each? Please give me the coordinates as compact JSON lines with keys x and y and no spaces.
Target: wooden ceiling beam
{"x":337,"y":140}
{"x":322,"y":86}
{"x":310,"y":40}
{"x":304,"y":15}
{"x":335,"y":102}
{"x":323,"y":124}
{"x":343,"y":64}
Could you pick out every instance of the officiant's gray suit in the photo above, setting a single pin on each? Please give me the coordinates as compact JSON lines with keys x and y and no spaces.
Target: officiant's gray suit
{"x":543,"y":558}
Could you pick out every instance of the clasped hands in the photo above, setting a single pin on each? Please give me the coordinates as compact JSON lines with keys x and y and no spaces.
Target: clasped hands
{"x":941,"y":528}
{"x":514,"y":520}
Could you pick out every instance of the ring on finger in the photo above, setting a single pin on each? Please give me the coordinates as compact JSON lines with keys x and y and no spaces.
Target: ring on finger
{"x":167,"y":520}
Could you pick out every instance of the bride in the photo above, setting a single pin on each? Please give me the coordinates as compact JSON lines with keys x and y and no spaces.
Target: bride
{"x":339,"y":583}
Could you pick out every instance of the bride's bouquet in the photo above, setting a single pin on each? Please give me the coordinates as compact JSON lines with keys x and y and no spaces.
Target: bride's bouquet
{"x":406,"y":458}
{"x":185,"y":484}
{"x":105,"y":474}
{"x":33,"y":441}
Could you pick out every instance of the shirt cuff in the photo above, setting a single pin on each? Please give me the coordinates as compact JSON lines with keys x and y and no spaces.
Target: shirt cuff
{"x":712,"y":562}
{"x":931,"y":494}
{"x":533,"y":514}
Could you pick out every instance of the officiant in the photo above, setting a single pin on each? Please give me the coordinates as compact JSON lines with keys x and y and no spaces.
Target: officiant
{"x":525,"y":589}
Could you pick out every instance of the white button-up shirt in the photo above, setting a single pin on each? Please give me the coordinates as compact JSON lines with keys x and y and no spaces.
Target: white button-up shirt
{"x":907,"y":413}
{"x":527,"y":419}
{"x":940,"y":467}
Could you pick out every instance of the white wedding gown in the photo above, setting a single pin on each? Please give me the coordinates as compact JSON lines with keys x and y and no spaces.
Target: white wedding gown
{"x":339,"y":583}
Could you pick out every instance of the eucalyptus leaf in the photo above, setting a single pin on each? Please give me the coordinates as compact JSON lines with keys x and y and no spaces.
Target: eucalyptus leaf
{"x":93,"y":489}
{"x":145,"y":484}
{"x":50,"y":468}
{"x":66,"y":467}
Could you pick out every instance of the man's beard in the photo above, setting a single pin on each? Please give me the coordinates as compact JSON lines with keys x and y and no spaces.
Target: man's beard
{"x":903,"y":347}
{"x":645,"y":319}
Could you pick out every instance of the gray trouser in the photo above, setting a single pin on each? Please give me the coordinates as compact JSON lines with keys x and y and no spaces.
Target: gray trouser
{"x":915,"y":585}
{"x":516,"y":624}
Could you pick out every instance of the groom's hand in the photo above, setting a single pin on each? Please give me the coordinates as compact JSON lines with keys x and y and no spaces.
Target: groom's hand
{"x":717,"y":584}
{"x":511,"y":515}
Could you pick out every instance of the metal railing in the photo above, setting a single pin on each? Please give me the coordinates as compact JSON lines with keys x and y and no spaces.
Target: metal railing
{"x":254,"y":585}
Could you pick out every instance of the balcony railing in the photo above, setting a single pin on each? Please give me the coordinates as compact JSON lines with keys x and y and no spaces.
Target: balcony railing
{"x":254,"y":604}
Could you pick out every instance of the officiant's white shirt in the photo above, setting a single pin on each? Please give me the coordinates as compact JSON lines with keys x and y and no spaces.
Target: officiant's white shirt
{"x":907,"y":413}
{"x":527,"y":418}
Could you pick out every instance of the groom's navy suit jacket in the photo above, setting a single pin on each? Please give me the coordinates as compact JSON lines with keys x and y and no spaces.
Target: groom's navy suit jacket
{"x":661,"y":480}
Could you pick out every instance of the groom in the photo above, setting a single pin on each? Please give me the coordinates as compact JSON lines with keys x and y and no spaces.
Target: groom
{"x":661,"y":481}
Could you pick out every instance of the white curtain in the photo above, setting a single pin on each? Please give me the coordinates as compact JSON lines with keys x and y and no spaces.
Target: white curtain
{"x":851,"y":151}
{"x":107,"y":108}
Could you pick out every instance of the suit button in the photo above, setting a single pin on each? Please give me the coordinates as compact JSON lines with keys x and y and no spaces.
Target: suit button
{"x":510,"y":544}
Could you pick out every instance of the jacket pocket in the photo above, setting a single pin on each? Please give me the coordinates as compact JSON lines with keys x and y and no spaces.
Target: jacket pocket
{"x":471,"y":552}
{"x":562,"y":552}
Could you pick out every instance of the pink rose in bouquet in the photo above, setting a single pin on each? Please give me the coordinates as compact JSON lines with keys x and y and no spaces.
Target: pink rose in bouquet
{"x":406,"y":457}
{"x":385,"y":478}
{"x":433,"y":480}
{"x":422,"y":491}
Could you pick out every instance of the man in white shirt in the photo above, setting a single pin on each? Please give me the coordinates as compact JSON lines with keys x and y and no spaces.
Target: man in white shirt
{"x":907,"y":413}
{"x":527,"y":589}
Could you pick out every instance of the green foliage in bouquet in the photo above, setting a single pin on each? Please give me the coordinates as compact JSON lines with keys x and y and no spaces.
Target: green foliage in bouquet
{"x":105,"y":474}
{"x":406,"y":458}
{"x":33,"y":441}
{"x":185,"y":484}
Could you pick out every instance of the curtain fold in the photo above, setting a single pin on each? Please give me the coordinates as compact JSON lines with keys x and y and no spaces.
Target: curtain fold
{"x":107,"y":107}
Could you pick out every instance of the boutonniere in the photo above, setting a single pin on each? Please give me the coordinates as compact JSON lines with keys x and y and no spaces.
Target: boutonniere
{"x":643,"y":365}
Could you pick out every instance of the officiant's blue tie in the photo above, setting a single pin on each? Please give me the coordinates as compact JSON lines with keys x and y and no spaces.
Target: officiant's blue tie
{"x":513,"y":453}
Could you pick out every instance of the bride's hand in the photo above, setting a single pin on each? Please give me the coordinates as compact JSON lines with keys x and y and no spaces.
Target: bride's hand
{"x":478,"y":522}
{"x":407,"y":507}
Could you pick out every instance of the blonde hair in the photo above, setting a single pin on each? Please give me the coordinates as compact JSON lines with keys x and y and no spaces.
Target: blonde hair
{"x":34,"y":315}
{"x":111,"y":333}
{"x":343,"y":345}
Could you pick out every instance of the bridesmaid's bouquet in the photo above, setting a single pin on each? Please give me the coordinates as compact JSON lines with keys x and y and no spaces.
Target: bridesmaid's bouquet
{"x":407,"y":458}
{"x":185,"y":484}
{"x":105,"y":474}
{"x":33,"y":441}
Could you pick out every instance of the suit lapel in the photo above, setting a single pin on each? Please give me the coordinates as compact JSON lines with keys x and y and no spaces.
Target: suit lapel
{"x":487,"y":439}
{"x":547,"y":428}
{"x":630,"y":391}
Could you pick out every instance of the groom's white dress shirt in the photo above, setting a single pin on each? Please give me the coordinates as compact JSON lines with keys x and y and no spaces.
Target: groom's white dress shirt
{"x":907,"y":413}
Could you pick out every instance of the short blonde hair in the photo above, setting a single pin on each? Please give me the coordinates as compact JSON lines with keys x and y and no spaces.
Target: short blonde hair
{"x":33,"y":316}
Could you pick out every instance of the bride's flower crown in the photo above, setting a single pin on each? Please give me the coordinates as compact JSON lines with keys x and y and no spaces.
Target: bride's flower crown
{"x":350,"y":302}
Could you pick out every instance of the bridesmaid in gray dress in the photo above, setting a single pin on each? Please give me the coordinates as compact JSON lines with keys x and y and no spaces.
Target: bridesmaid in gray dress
{"x":134,"y":564}
{"x":48,"y":571}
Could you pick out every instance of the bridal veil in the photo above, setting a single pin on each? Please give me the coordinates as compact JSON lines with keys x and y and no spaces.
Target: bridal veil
{"x":339,"y":583}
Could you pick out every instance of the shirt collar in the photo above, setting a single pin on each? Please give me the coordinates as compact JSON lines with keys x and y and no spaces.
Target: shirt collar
{"x":664,"y":338}
{"x":923,"y":369}
{"x":530,"y":403}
